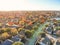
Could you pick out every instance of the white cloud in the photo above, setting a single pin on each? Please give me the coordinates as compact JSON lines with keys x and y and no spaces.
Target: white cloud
{"x":7,"y":5}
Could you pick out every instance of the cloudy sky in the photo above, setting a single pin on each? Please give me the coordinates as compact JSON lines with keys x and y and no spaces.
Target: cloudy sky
{"x":9,"y":5}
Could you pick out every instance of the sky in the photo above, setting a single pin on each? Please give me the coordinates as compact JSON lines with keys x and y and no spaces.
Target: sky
{"x":13,"y":5}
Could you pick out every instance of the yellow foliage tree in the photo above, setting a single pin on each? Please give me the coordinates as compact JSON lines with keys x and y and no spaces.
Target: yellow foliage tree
{"x":17,"y":43}
{"x":5,"y":35}
{"x":20,"y":29}
{"x":14,"y":31}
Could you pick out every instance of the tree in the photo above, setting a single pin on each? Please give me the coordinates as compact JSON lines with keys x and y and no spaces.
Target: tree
{"x":1,"y":31}
{"x":30,"y":23}
{"x":42,"y":19}
{"x":43,"y":34}
{"x":14,"y":31}
{"x":20,"y":29}
{"x":38,"y":24}
{"x":58,"y":28}
{"x":55,"y":23}
{"x":35,"y":27}
{"x":6,"y":29}
{"x":23,"y":39}
{"x":54,"y":20}
{"x":17,"y":43}
{"x":58,"y":21}
{"x":28,"y":33}
{"x":5,"y":35}
{"x":32,"y":31}
{"x":47,"y":25}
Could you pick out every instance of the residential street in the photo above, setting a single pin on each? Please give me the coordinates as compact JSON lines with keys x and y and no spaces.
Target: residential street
{"x":33,"y":39}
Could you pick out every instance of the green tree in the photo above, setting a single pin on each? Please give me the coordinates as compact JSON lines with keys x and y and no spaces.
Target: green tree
{"x":28,"y":33}
{"x":58,"y":28}
{"x":42,"y":34}
{"x":35,"y":27}
{"x":47,"y":25}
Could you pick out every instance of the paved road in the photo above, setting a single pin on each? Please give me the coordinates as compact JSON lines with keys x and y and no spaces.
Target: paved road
{"x":33,"y":39}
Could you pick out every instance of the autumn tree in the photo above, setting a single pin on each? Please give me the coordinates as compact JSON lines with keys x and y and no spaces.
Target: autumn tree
{"x":14,"y":31}
{"x":5,"y":35}
{"x":20,"y":29}
{"x":17,"y":43}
